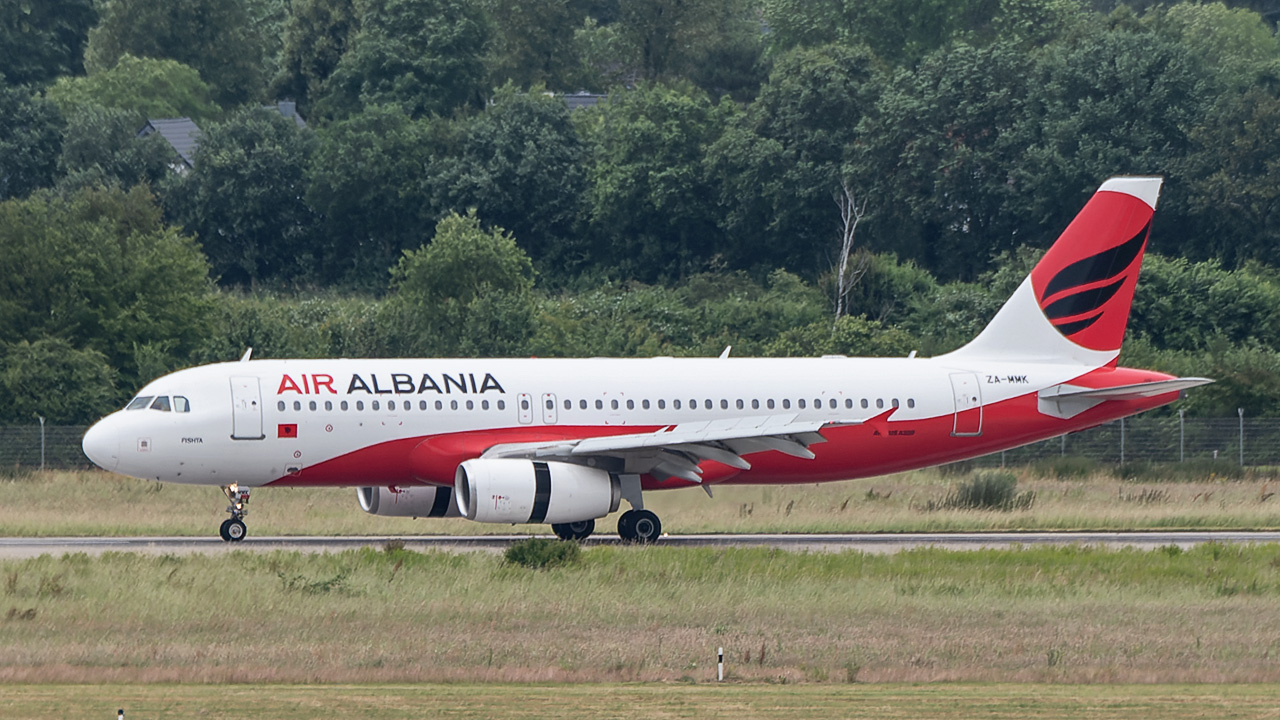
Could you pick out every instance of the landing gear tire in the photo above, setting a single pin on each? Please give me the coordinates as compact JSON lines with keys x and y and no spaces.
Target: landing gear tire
{"x":639,"y":526}
{"x":233,"y":530}
{"x":574,"y":530}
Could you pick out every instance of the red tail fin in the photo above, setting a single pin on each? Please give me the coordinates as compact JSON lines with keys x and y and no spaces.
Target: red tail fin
{"x":1085,"y":283}
{"x":1075,"y":304}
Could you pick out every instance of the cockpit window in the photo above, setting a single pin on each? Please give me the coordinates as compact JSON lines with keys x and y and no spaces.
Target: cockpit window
{"x":140,"y":402}
{"x":161,"y":403}
{"x":180,"y":404}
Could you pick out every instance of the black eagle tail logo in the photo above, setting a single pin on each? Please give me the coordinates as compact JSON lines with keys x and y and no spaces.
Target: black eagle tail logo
{"x":1078,"y":297}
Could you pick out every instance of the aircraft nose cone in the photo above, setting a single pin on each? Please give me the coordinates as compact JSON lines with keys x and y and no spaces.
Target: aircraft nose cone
{"x":102,"y":446}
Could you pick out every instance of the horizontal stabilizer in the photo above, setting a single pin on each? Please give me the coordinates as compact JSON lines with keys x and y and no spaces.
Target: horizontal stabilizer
{"x":1067,"y":401}
{"x":1124,"y":392}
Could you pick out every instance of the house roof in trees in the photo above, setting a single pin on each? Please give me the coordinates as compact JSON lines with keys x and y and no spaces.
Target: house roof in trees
{"x":289,"y":109}
{"x":580,"y":100}
{"x":184,"y":135}
{"x":181,"y":133}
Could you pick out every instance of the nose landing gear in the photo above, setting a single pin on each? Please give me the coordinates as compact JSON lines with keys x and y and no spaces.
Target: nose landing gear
{"x":233,"y":529}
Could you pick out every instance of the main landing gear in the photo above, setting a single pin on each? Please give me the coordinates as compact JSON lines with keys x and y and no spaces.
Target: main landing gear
{"x":639,"y":526}
{"x":636,"y":525}
{"x":575,"y":530}
{"x":233,"y":529}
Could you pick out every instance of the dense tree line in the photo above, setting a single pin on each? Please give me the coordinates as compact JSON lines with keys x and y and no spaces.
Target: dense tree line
{"x":443,"y":199}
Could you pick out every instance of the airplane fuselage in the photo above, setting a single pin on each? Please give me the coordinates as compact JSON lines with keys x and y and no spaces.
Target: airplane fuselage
{"x":401,"y":422}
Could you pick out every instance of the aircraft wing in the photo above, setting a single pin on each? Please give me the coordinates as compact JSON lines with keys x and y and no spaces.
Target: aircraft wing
{"x":676,"y":450}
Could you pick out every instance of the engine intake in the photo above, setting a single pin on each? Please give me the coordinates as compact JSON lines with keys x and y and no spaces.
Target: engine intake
{"x":413,"y":501}
{"x":527,"y":491}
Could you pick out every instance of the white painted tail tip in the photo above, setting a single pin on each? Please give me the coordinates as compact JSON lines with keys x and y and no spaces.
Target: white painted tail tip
{"x":1146,"y":189}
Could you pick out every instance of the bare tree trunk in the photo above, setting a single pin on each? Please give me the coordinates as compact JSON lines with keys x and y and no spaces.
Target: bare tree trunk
{"x":846,"y":276}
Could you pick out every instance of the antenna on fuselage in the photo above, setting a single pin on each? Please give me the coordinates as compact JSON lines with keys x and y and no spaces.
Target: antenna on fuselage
{"x":247,"y":354}
{"x":725,"y":354}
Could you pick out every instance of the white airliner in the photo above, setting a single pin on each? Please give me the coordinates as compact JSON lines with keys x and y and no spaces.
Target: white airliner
{"x":565,"y":441}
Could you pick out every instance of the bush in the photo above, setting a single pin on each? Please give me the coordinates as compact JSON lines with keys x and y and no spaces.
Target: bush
{"x":541,"y":553}
{"x":985,"y":491}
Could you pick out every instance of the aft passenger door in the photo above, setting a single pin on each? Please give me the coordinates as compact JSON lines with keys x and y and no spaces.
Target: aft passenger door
{"x":968,"y":397}
{"x":246,"y":409}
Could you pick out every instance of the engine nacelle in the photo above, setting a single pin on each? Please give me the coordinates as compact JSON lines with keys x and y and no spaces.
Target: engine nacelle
{"x":413,"y":501}
{"x":530,"y":491}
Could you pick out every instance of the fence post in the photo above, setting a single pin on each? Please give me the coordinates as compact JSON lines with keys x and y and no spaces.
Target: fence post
{"x":1240,"y":412}
{"x":41,"y":442}
{"x":1121,"y":441}
{"x":1064,"y":446}
{"x":1182,"y":435}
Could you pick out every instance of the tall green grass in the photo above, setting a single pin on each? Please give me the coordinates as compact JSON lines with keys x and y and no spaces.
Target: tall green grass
{"x":646,"y":613}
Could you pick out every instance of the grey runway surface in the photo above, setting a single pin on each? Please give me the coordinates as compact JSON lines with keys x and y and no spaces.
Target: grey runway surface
{"x":26,"y":547}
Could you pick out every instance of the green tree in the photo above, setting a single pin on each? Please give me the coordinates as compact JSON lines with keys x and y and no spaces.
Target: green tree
{"x":54,"y":379}
{"x":1182,"y":305}
{"x":244,"y":199}
{"x":672,"y":38}
{"x":43,"y":39}
{"x":216,"y":37}
{"x":900,"y":31}
{"x":99,"y":270}
{"x":101,"y":146}
{"x":30,"y":141}
{"x":1115,"y":103}
{"x":145,"y":87}
{"x":369,"y":178}
{"x":533,"y":42}
{"x":652,"y":210}
{"x":936,"y":155}
{"x":427,"y":56}
{"x":467,"y":292}
{"x":1233,"y":183}
{"x":855,"y":336}
{"x":520,"y":165}
{"x":1234,"y":44}
{"x":316,"y":35}
{"x":779,"y":163}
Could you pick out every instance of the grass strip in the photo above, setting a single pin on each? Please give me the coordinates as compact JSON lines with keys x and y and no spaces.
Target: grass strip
{"x":733,"y":701}
{"x":633,"y":614}
{"x":99,"y":503}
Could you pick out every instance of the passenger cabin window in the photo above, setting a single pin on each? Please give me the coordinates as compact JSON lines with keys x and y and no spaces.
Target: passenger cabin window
{"x":140,"y":403}
{"x":280,"y":406}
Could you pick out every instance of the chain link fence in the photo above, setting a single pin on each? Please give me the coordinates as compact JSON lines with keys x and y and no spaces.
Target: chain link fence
{"x":55,"y":447}
{"x":1242,"y":441}
{"x":1150,"y":439}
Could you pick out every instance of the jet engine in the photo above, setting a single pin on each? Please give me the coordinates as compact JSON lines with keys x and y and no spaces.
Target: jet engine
{"x":527,"y":491}
{"x":413,"y":501}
